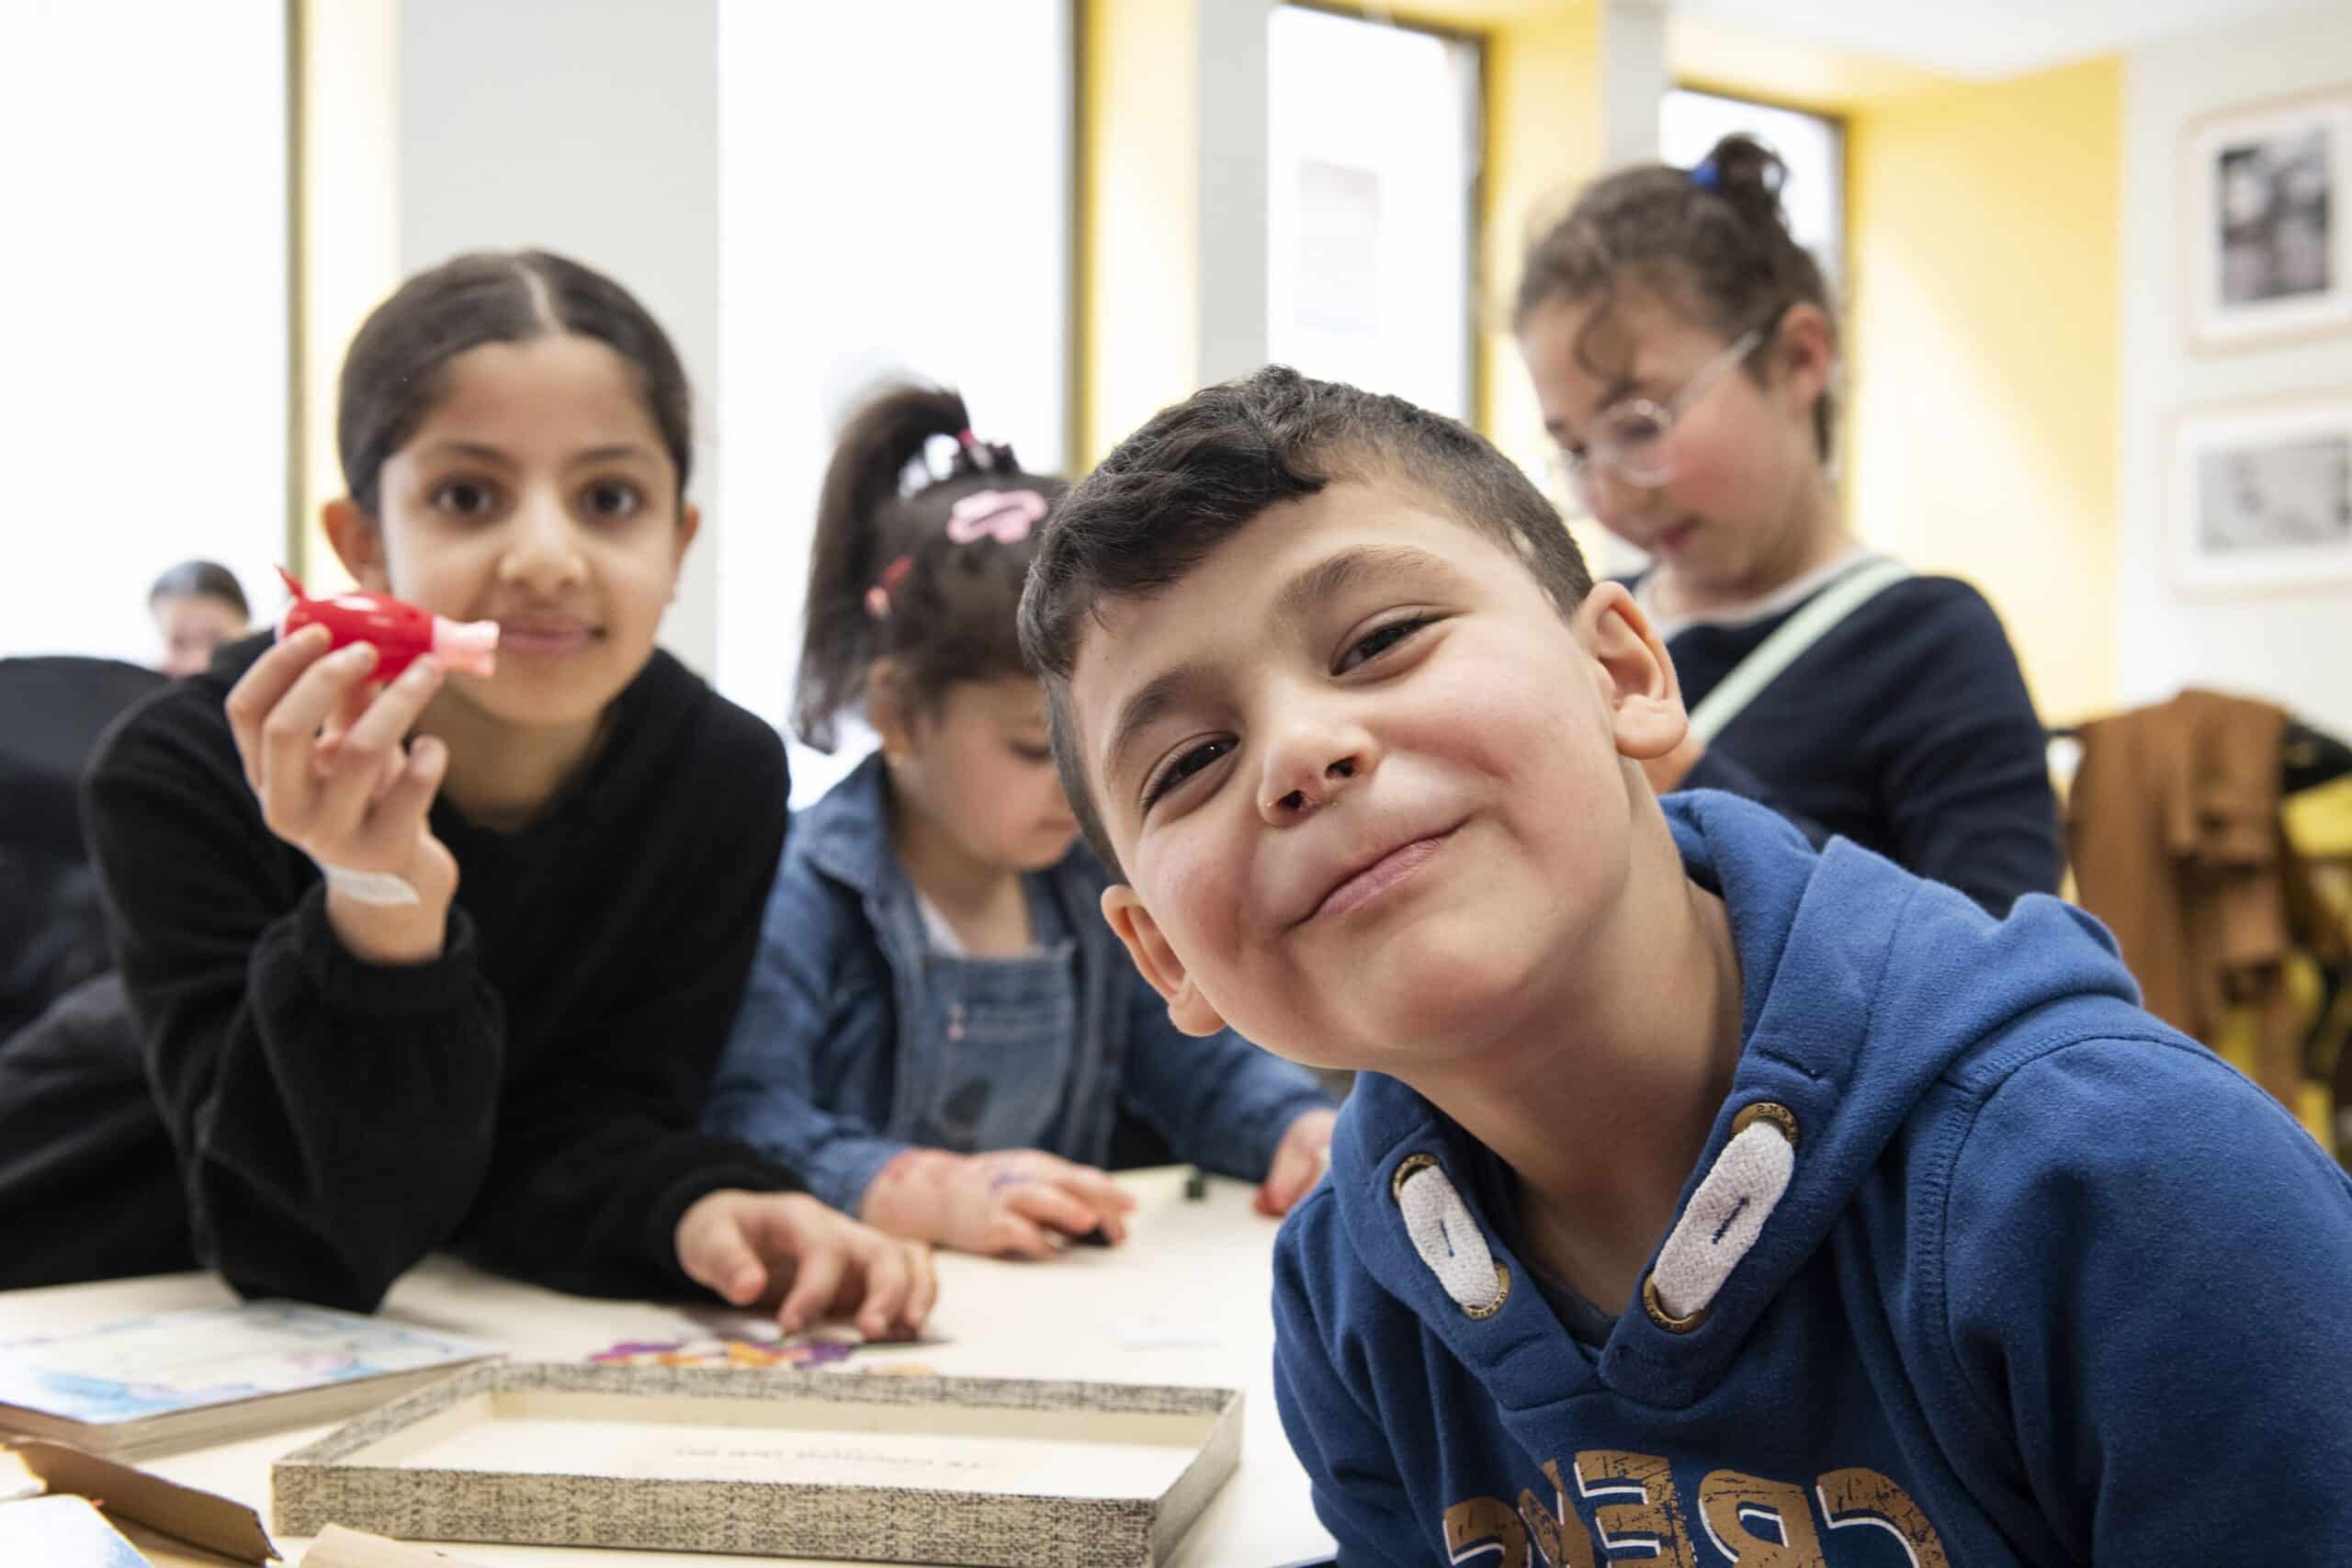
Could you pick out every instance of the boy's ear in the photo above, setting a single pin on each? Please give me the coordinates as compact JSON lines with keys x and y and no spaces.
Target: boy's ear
{"x":1636,"y":673}
{"x":1187,"y":1008}
{"x":358,"y":542}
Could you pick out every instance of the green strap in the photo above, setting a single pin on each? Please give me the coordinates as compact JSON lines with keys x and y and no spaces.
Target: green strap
{"x":1785,"y":646}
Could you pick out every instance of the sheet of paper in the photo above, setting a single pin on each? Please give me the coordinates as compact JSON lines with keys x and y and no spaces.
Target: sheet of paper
{"x":15,"y":1480}
{"x":1164,"y":1331}
{"x":339,"y":1548}
{"x":1054,"y":1467}
{"x":64,"y":1531}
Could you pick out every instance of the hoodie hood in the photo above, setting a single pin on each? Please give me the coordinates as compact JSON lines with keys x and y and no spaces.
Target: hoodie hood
{"x":1981,"y":1264}
{"x":1862,"y":987}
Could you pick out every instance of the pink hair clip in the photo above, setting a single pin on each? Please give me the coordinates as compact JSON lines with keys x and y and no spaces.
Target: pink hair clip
{"x":877,"y":598}
{"x":1004,"y":515}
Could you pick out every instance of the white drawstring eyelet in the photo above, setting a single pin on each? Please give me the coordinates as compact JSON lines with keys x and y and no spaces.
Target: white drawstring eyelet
{"x":1448,"y":1239}
{"x":1724,"y":1217}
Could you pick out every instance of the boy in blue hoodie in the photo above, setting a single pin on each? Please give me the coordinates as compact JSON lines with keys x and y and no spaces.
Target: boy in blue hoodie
{"x":1706,"y":1199}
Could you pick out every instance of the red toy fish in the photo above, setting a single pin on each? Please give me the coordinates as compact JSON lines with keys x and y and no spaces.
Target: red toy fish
{"x":401,"y":633}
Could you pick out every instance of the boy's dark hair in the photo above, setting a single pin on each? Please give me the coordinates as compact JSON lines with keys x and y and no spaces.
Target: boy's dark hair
{"x":391,"y":374}
{"x":1201,"y":471}
{"x":887,"y":579}
{"x":202,"y":580}
{"x":1711,"y":239}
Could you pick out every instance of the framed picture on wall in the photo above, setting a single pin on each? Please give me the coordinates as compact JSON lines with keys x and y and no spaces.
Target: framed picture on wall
{"x":2268,"y":206}
{"x":2260,"y":498}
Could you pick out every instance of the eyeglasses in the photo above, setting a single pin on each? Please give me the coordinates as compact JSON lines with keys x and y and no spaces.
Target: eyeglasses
{"x":1629,"y":438}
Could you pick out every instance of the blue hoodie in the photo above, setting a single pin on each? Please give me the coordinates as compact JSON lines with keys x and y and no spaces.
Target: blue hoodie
{"x":2010,"y":1273}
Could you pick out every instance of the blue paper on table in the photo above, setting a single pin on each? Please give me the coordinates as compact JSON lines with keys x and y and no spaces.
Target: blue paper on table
{"x":207,"y":1374}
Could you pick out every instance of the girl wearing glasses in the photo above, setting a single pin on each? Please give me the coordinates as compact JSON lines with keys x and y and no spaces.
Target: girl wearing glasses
{"x":1683,"y":351}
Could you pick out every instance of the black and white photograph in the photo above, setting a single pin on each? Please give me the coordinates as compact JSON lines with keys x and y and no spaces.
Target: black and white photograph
{"x":2268,"y":215}
{"x":2263,"y":497}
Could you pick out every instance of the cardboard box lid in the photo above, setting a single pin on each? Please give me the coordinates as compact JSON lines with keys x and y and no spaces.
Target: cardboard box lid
{"x":171,"y":1515}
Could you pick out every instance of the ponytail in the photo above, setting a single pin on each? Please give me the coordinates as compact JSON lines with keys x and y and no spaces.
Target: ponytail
{"x":887,"y":577}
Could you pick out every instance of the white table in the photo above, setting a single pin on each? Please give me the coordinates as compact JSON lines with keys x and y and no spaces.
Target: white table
{"x":1204,"y":1265}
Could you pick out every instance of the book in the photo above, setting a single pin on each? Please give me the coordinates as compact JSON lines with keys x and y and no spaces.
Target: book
{"x":180,"y":1379}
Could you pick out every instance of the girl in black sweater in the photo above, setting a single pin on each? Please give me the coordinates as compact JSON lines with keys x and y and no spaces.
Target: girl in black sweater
{"x":445,"y":962}
{"x":1683,"y":350}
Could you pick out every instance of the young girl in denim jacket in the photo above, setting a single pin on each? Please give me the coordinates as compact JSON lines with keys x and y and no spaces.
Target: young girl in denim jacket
{"x":940,"y":1033}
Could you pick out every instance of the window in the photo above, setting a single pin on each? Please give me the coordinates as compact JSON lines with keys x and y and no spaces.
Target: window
{"x":1812,"y":145}
{"x":147,"y":341}
{"x":893,"y":195}
{"x":1374,"y":137}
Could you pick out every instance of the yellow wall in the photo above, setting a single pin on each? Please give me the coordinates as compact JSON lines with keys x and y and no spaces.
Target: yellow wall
{"x":1138,"y":324}
{"x":1983,"y":325}
{"x":348,"y":236}
{"x":1544,"y":141}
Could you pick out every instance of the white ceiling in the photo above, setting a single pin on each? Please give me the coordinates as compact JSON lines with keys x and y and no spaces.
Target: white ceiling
{"x":1986,"y":38}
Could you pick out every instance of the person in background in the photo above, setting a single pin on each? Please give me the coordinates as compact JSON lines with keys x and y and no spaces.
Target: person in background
{"x":196,"y":607}
{"x":442,"y":963}
{"x":940,"y":1034}
{"x":1683,"y":350}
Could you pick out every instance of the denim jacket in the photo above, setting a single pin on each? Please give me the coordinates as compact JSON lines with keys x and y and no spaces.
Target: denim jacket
{"x":856,"y":1040}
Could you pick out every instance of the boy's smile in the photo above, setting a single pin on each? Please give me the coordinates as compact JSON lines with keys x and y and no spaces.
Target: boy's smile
{"x":1368,"y":785}
{"x":1386,"y":871}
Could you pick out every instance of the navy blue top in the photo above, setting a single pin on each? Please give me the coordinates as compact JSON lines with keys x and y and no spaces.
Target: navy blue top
{"x":2035,"y":1281}
{"x":1906,"y":728}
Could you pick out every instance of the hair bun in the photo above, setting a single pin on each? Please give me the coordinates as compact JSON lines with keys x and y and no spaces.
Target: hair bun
{"x":1745,"y":172}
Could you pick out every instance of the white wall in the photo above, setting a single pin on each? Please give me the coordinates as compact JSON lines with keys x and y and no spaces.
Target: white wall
{"x":590,"y":127}
{"x":895,"y":179}
{"x":2295,"y":650}
{"x":143,"y":349}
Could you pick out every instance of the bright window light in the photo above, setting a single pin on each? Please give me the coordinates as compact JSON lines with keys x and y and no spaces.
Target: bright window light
{"x":893,"y":191}
{"x":1374,"y":138}
{"x":146,"y":343}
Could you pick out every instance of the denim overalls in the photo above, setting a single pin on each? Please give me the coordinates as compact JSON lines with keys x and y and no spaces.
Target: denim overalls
{"x":858,"y":1039}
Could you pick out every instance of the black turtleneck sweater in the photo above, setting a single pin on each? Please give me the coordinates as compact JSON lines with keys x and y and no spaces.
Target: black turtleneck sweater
{"x":311,"y":1126}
